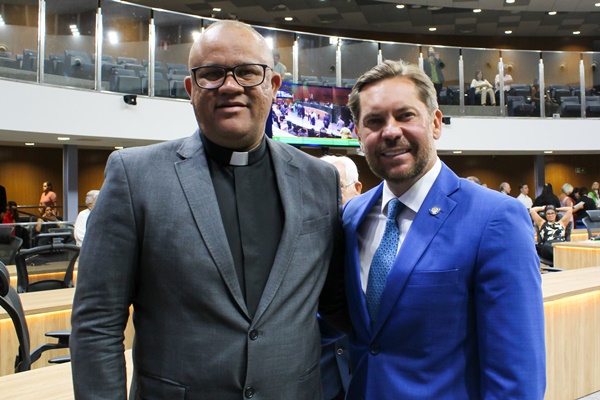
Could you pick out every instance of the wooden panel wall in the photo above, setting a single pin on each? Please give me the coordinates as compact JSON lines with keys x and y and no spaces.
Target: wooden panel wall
{"x":23,"y":169}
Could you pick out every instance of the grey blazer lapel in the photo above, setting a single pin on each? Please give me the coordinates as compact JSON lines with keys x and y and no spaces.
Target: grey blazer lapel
{"x":194,"y":176}
{"x":287,"y":173}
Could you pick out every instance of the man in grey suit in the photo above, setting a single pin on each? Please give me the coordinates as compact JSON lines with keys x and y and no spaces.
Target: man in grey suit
{"x":226,"y":243}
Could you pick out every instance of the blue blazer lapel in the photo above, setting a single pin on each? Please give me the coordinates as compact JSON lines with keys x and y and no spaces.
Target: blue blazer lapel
{"x":194,"y":176}
{"x":421,"y":233}
{"x":354,"y":213}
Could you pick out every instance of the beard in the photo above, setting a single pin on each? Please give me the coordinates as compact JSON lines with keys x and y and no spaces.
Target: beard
{"x":395,"y":174}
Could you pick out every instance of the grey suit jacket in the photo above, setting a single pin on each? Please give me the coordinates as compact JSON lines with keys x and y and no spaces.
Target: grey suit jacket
{"x":155,"y":240}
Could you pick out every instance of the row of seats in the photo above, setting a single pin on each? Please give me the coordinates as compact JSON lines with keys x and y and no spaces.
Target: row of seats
{"x":313,"y":80}
{"x":125,"y":74}
{"x":568,"y":108}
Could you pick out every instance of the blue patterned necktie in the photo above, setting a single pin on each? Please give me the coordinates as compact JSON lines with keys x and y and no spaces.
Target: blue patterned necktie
{"x":383,"y":259}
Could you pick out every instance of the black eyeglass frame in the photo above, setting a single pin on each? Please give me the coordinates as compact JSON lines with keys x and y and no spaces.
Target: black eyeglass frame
{"x":226,"y":70}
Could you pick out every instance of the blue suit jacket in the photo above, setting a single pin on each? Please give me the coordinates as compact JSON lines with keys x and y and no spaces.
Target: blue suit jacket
{"x":461,"y":316}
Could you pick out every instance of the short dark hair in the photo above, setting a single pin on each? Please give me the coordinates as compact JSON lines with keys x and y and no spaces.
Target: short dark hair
{"x":521,"y":185}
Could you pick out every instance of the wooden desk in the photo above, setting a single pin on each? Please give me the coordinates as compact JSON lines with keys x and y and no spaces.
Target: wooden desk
{"x":578,"y":235}
{"x":574,"y":255}
{"x":48,"y":383}
{"x":45,"y":311}
{"x":572,"y":312}
{"x":571,"y":309}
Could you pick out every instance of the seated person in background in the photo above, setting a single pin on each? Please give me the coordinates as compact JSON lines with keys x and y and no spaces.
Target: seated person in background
{"x":345,"y":133}
{"x":49,"y":215}
{"x":12,"y":214}
{"x":536,"y":96}
{"x":82,"y":217}
{"x":547,"y":197}
{"x":581,"y":195}
{"x":550,"y":230}
{"x":483,"y":87}
{"x":507,"y":79}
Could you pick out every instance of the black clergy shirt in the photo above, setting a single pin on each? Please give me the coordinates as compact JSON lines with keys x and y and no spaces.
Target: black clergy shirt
{"x":251,"y":212}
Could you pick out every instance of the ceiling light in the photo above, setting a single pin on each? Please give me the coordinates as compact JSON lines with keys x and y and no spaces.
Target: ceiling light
{"x":510,"y":1}
{"x":548,"y":152}
{"x":477,"y":10}
{"x":457,"y":152}
{"x":29,"y":144}
{"x":2,"y":20}
{"x":113,"y":37}
{"x":576,"y":32}
{"x":432,"y":29}
{"x":63,"y":138}
{"x":597,"y":4}
{"x":289,"y":19}
{"x":551,"y":12}
{"x":196,"y":35}
{"x":216,"y":9}
{"x":508,"y":32}
{"x":400,"y":6}
{"x":118,"y":147}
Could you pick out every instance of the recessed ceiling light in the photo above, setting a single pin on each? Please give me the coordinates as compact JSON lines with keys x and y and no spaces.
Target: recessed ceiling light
{"x":289,"y":18}
{"x":576,"y":32}
{"x":477,"y":10}
{"x":216,"y":9}
{"x":548,"y":152}
{"x":118,"y":147}
{"x":457,"y":152}
{"x":400,"y":5}
{"x":551,"y":12}
{"x":510,"y":1}
{"x":432,"y":29}
{"x":597,"y":4}
{"x":508,"y":32}
{"x":63,"y":138}
{"x":29,"y":144}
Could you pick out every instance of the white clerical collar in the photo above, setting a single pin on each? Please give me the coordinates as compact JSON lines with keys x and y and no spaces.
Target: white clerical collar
{"x":238,"y":159}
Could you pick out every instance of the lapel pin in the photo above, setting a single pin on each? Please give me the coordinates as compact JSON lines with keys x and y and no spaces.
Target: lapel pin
{"x":434,"y":210}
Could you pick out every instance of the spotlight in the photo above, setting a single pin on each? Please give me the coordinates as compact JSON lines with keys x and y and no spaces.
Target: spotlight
{"x":130,"y":99}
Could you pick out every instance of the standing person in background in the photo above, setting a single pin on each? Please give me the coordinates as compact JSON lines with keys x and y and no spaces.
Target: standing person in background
{"x":278,"y":66}
{"x":523,"y":196}
{"x":82,"y":217}
{"x":594,"y":193}
{"x":226,"y":243}
{"x":335,"y":361}
{"x":433,"y":66}
{"x":547,"y":197}
{"x":430,"y":295}
{"x":505,"y":188}
{"x":3,"y":202}
{"x":566,"y":200}
{"x":48,"y":197}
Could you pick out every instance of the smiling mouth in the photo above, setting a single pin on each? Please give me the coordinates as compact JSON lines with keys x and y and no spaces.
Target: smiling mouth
{"x":393,"y":153}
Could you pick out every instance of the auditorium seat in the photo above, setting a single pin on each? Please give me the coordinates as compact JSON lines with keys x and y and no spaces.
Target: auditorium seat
{"x":518,"y":107}
{"x":125,"y":81}
{"x":570,"y":107}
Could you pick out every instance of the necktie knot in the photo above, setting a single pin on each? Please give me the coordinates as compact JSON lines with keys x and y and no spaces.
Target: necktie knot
{"x":393,"y":209}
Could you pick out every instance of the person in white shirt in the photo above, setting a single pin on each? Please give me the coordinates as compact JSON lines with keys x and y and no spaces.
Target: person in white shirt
{"x":524,"y":196}
{"x":483,"y":87}
{"x":82,"y":217}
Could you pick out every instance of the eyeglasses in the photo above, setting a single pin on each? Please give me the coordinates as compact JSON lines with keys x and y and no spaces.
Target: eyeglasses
{"x":213,"y":77}
{"x":347,"y":185}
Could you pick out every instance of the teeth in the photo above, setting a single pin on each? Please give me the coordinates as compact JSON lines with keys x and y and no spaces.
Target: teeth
{"x":394,"y":153}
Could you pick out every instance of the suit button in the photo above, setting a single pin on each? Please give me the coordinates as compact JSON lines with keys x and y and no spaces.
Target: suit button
{"x":339,"y":351}
{"x":374,"y":348}
{"x":253,"y":334}
{"x":249,"y":392}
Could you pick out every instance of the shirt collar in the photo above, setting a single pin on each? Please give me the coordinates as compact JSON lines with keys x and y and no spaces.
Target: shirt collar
{"x":414,"y":197}
{"x":225,"y":156}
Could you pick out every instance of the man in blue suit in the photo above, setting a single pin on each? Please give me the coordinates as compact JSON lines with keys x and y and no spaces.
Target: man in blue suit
{"x":460,"y":312}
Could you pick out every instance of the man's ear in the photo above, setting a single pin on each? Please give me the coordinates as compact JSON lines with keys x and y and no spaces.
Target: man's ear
{"x":187,"y":82}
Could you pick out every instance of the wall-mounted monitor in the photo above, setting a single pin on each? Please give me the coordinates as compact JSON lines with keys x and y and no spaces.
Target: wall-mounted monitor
{"x":307,"y":115}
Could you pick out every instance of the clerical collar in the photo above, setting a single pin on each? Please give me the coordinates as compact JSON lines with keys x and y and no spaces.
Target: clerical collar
{"x":225,"y":156}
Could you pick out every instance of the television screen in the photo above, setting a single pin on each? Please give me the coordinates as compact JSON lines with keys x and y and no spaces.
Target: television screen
{"x":313,"y":116}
